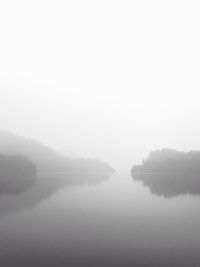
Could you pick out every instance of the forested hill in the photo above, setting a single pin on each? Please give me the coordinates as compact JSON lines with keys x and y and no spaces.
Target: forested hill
{"x":16,"y":166}
{"x":170,"y":160}
{"x":45,"y":158}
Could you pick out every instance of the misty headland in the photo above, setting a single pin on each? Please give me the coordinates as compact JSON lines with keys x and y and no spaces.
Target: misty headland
{"x":31,"y":172}
{"x":170,"y":173}
{"x":46,"y":159}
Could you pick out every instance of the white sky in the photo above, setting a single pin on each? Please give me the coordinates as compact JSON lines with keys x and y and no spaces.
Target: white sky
{"x":106,"y":79}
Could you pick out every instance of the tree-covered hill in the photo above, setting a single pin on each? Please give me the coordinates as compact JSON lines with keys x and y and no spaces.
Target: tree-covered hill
{"x":18,"y":166}
{"x":170,"y":160}
{"x":45,"y":158}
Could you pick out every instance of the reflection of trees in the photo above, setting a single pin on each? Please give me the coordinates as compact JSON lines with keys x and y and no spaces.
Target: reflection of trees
{"x":170,"y":185}
{"x":28,"y":193}
{"x":17,"y":186}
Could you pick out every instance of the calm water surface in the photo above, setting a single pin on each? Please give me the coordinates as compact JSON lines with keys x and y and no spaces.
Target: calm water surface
{"x":116,"y":222}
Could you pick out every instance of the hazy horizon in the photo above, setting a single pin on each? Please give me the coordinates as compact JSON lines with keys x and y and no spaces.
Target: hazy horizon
{"x":111,"y":79}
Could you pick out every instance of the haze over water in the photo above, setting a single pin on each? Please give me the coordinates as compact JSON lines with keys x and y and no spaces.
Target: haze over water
{"x":117,"y":222}
{"x":110,"y":80}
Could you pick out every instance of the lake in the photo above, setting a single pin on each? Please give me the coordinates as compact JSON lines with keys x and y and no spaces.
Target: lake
{"x":120,"y":221}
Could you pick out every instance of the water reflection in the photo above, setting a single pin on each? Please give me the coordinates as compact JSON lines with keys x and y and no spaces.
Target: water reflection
{"x":115,"y":224}
{"x":16,"y":194}
{"x":170,"y":185}
{"x":16,"y":186}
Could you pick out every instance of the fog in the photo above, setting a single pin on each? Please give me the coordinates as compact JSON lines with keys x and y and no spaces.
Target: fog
{"x":114,"y":84}
{"x":104,"y":79}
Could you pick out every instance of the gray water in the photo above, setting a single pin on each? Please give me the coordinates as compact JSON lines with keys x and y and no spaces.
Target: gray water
{"x":119,"y":221}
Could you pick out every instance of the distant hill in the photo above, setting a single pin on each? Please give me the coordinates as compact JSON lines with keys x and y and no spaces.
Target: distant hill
{"x":67,"y":153}
{"x":45,"y":158}
{"x":170,"y":161}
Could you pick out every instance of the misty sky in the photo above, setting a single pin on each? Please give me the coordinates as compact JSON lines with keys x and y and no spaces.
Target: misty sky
{"x":105,"y":79}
